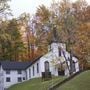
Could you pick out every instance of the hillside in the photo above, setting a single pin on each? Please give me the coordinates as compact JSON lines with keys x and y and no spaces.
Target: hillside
{"x":36,"y":84}
{"x":80,"y":82}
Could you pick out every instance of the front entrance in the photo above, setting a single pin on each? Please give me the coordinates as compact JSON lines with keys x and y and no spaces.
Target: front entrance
{"x":60,"y":72}
{"x":46,"y":64}
{"x":46,"y":75}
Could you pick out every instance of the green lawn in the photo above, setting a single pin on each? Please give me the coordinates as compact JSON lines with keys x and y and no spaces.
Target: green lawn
{"x":80,"y":82}
{"x":36,"y":84}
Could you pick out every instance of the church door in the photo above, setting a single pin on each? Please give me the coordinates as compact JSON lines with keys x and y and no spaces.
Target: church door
{"x":46,"y":64}
{"x":60,"y":72}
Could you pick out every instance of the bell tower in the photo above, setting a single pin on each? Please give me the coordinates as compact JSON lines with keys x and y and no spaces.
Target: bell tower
{"x":54,"y":35}
{"x":54,"y":44}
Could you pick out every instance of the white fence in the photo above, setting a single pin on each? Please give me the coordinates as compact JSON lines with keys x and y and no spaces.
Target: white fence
{"x":1,"y":81}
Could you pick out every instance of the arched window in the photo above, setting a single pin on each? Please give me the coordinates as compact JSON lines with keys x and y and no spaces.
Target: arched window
{"x":46,"y":63}
{"x":59,"y":51}
{"x":73,"y":66}
{"x":33,"y":71}
{"x":29,"y":72}
{"x":37,"y":67}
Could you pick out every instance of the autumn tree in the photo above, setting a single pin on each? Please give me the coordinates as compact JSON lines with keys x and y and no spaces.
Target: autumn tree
{"x":24,"y":20}
{"x":42,"y":27}
{"x":29,"y":35}
{"x":68,"y":19}
{"x":82,"y":45}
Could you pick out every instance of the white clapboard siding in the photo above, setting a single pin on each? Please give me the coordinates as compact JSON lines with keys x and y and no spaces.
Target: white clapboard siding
{"x":1,"y":81}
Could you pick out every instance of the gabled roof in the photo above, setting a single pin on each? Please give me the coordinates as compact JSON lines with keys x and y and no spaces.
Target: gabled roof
{"x":15,"y":65}
{"x":34,"y":61}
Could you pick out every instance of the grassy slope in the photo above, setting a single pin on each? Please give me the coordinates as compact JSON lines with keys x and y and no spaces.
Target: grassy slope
{"x":36,"y":84}
{"x":80,"y":82}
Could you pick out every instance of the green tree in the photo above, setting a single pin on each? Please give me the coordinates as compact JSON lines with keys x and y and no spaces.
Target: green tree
{"x":12,"y":46}
{"x":16,"y":45}
{"x":4,"y":38}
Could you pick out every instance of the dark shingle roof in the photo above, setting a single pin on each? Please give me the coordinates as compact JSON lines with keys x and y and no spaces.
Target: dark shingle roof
{"x":15,"y":65}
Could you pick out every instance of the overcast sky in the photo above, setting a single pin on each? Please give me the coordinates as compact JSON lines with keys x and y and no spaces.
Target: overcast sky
{"x":29,"y":6}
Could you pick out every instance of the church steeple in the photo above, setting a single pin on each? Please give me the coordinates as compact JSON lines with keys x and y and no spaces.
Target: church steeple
{"x":54,"y":35}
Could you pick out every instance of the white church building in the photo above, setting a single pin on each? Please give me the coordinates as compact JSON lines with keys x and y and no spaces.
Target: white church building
{"x":57,"y":61}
